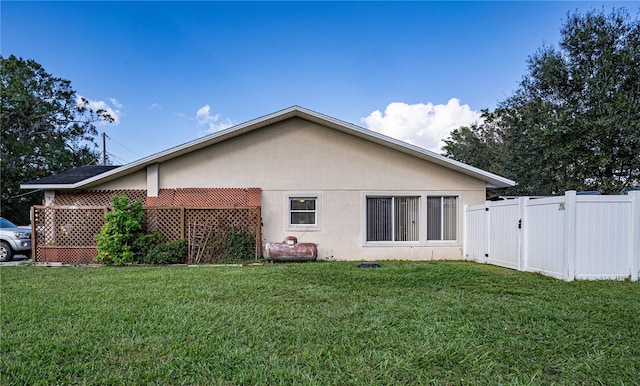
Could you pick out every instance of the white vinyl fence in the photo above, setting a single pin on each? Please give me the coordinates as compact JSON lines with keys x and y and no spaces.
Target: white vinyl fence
{"x":567,"y":237}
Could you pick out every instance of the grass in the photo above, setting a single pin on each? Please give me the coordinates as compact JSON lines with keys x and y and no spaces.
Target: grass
{"x":315,"y":323}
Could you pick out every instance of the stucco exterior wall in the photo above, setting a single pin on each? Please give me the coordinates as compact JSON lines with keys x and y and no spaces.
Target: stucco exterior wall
{"x":302,"y":158}
{"x":342,"y":234}
{"x":137,"y":180}
{"x":298,"y":154}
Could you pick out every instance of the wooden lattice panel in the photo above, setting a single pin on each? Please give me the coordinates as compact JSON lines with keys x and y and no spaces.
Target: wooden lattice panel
{"x":207,"y":197}
{"x":96,"y":197}
{"x":187,"y":197}
{"x":66,"y":234}
{"x":215,"y":224}
{"x":66,"y":255}
{"x":224,"y":218}
{"x":211,"y":197}
{"x":68,"y":227}
{"x":168,"y":221}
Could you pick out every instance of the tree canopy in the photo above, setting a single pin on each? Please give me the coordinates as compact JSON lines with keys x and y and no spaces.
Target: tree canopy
{"x":574,"y":120}
{"x":46,"y":129}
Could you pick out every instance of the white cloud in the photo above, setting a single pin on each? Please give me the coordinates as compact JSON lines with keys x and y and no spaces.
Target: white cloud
{"x":155,"y":106}
{"x":424,"y":125}
{"x":115,"y":103}
{"x":113,"y":109}
{"x":212,"y":123}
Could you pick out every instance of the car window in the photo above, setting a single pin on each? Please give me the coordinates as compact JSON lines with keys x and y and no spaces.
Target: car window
{"x":6,"y":224}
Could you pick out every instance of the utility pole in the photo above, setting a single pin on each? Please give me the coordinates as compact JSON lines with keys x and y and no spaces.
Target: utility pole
{"x":104,"y":149}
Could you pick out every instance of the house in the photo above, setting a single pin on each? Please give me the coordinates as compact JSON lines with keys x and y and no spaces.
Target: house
{"x":356,"y":193}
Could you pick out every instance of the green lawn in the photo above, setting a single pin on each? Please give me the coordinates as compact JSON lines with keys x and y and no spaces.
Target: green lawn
{"x":315,"y":323}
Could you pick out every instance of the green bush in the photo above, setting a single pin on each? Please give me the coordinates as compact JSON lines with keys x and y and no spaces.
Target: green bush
{"x":120,"y":232}
{"x":145,"y":243}
{"x":233,"y":246}
{"x":239,"y":246}
{"x":167,"y":253}
{"x":230,"y":245}
{"x":122,"y":241}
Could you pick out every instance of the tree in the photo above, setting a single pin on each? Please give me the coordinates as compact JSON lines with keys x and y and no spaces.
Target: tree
{"x":480,"y":144}
{"x":46,"y":129}
{"x":574,"y":121}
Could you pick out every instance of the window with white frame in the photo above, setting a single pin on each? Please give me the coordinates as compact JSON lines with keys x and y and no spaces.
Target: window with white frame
{"x":442,"y":218}
{"x":303,"y":211}
{"x":394,"y":218}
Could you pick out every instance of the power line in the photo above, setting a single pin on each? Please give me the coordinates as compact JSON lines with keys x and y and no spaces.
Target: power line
{"x":123,"y":146}
{"x":27,"y":193}
{"x":114,"y":157}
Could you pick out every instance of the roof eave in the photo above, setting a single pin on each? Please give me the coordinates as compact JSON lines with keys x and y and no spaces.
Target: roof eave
{"x":49,"y":186}
{"x":500,"y":185}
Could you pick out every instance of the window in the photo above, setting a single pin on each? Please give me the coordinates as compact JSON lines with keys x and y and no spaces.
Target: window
{"x":303,"y":211}
{"x":393,"y":218}
{"x":442,"y":218}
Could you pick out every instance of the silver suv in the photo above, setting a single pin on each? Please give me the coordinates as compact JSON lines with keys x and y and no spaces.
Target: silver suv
{"x":13,"y":240}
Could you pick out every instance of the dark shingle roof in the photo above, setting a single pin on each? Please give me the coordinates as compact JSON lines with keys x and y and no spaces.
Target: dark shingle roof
{"x":74,"y":175}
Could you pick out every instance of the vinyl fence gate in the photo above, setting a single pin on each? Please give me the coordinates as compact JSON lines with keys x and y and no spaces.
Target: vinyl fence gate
{"x":567,"y":237}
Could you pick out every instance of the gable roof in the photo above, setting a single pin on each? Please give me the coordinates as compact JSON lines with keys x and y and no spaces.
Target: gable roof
{"x":492,"y":180}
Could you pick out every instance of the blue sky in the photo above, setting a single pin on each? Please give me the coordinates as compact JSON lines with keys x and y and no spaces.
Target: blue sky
{"x":174,"y":71}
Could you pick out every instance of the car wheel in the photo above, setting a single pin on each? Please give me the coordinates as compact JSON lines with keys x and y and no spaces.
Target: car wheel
{"x":6,"y":253}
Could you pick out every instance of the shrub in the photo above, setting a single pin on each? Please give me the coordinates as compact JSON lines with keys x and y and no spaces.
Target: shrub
{"x":229,"y":245}
{"x":167,"y":253}
{"x":121,"y":239}
{"x":239,"y":246}
{"x":122,"y":228}
{"x":145,"y":243}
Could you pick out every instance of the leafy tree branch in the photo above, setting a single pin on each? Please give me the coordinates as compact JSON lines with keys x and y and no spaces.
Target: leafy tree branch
{"x":46,"y":129}
{"x":574,"y":121}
